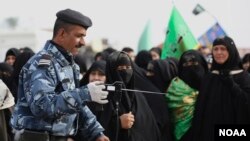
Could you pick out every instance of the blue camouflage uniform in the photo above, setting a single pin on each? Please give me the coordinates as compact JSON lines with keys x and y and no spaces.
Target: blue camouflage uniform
{"x":48,"y":99}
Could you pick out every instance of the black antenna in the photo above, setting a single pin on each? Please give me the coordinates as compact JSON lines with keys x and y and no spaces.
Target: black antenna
{"x":118,"y":96}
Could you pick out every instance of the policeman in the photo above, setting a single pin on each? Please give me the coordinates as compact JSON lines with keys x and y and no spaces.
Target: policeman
{"x":51,"y":105}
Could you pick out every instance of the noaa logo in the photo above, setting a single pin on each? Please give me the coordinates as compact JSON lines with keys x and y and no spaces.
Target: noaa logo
{"x":232,"y":132}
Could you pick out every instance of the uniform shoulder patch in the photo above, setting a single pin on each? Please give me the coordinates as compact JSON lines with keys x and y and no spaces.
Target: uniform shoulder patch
{"x":45,"y":60}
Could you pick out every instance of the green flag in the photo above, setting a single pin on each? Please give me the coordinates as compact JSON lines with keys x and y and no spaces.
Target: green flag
{"x":178,"y":37}
{"x":145,"y":42}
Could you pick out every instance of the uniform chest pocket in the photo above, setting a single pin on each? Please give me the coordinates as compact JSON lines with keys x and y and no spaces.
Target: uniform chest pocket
{"x":66,"y":78}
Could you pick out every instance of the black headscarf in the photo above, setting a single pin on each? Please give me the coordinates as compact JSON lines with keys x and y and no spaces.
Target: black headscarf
{"x":192,"y":67}
{"x":106,"y":52}
{"x":157,"y":50}
{"x":145,"y":126}
{"x":163,"y":72}
{"x":142,"y":59}
{"x":5,"y":73}
{"x":246,"y":59}
{"x":234,"y":61}
{"x":97,"y":65}
{"x":12,"y":51}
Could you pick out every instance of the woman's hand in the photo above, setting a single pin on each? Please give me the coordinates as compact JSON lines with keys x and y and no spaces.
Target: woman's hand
{"x":127,"y":120}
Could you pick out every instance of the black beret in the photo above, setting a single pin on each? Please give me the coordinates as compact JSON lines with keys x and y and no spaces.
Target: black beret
{"x":74,"y":17}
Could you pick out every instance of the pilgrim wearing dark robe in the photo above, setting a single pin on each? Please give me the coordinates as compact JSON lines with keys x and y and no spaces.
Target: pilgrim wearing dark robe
{"x":20,"y":61}
{"x":246,"y":62}
{"x":142,"y":59}
{"x":5,"y":75}
{"x":99,"y":68}
{"x":161,"y":72}
{"x":183,"y":91}
{"x":96,"y":66}
{"x":156,"y":102}
{"x":127,"y":116}
{"x":225,"y":92}
{"x":155,"y":53}
{"x":18,"y":64}
{"x":11,"y":55}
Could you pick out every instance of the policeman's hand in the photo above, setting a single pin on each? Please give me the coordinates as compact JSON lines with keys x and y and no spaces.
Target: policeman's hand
{"x":102,"y":138}
{"x":97,"y":93}
{"x":127,"y":120}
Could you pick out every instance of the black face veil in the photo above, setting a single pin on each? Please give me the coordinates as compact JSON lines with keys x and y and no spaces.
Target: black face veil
{"x":192,"y":67}
{"x":125,"y":75}
{"x":133,"y":102}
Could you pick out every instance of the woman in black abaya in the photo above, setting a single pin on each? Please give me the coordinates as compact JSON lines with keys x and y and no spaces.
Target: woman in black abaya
{"x":96,"y":72}
{"x":142,"y":59}
{"x":161,"y":72}
{"x":224,"y":94}
{"x":156,"y":102}
{"x":183,"y":91}
{"x":136,"y":121}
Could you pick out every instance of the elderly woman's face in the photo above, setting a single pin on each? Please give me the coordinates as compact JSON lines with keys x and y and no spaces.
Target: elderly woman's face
{"x":220,"y":54}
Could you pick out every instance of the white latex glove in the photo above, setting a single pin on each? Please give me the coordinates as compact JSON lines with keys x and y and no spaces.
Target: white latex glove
{"x":97,"y":93}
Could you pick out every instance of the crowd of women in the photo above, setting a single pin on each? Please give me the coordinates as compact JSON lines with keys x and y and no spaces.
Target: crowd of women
{"x":189,"y":95}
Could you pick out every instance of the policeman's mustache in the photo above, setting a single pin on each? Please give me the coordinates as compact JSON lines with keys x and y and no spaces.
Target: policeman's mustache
{"x":79,"y":46}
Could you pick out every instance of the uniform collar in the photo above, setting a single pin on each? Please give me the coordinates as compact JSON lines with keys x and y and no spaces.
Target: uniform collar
{"x":56,"y":53}
{"x":68,"y":56}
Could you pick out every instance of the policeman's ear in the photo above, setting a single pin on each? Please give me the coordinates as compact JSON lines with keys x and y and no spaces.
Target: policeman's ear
{"x":61,"y":33}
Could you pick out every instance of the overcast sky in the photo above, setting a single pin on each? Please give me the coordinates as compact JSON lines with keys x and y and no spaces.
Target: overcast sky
{"x":122,"y":21}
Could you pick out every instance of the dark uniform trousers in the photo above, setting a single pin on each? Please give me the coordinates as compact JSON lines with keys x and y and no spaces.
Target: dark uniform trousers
{"x":28,"y":135}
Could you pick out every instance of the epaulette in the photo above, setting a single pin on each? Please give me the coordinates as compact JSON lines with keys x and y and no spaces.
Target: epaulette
{"x":45,"y":60}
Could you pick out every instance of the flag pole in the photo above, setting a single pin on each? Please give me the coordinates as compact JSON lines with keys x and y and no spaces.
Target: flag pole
{"x":211,"y":15}
{"x":173,"y":2}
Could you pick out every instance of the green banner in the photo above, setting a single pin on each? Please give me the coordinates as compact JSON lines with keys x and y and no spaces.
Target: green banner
{"x":179,"y":38}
